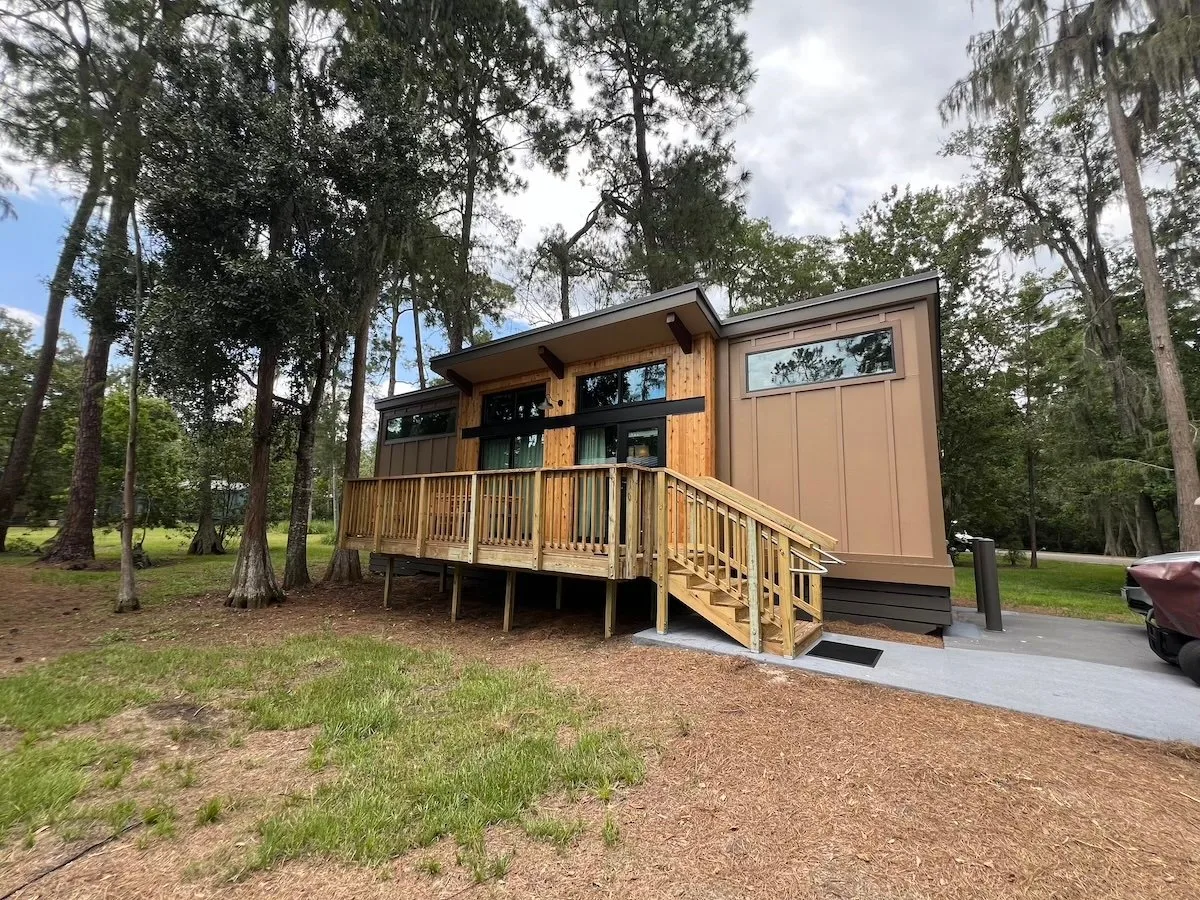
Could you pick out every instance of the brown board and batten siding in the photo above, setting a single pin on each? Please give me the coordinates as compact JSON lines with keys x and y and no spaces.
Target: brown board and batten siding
{"x":691,"y":437}
{"x":416,"y":455}
{"x":857,"y":458}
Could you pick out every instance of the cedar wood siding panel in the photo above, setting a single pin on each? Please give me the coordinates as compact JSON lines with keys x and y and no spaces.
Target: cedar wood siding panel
{"x":691,"y":438}
{"x":857,"y":459}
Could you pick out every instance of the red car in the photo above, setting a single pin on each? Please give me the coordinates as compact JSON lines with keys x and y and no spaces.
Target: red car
{"x":1170,"y":588}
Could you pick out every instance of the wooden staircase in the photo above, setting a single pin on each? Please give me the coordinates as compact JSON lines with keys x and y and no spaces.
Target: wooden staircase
{"x":749,"y":569}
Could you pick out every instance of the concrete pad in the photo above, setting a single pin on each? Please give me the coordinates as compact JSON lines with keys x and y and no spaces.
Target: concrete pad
{"x":1146,"y":704}
{"x":1112,"y":643}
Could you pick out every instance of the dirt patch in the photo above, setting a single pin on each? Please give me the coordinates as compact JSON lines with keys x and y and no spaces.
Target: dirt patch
{"x":760,"y":782}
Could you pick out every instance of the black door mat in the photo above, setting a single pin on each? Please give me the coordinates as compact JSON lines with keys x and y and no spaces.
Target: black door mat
{"x":851,"y":653}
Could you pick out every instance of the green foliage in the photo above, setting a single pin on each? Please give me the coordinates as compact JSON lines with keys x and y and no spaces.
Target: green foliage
{"x":683,"y":69}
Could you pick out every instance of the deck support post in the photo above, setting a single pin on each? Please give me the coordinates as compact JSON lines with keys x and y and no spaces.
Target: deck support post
{"x":456,"y":593}
{"x":378,"y":527}
{"x":535,"y":536}
{"x":787,"y":597}
{"x":387,"y":582}
{"x":473,"y":522}
{"x":558,"y":589}
{"x":442,"y":579}
{"x":423,"y":522}
{"x":510,"y":596}
{"x":660,"y":552}
{"x":614,"y":520}
{"x":610,"y":607}
{"x":754,"y":586}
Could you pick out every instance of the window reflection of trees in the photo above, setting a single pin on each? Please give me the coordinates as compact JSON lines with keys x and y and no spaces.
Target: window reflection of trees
{"x":864,"y":354}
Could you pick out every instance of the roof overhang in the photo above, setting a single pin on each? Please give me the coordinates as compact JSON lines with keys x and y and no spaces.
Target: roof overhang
{"x":675,"y":315}
{"x":413,"y":398}
{"x":902,"y":290}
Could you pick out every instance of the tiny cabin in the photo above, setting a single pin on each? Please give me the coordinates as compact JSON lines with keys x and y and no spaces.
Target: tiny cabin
{"x":768,"y":470}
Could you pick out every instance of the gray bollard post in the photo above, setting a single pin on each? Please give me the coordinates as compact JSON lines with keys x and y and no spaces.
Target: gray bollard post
{"x":987,"y":582}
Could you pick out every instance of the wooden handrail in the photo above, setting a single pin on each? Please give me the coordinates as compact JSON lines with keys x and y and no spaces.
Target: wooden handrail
{"x":771,"y":515}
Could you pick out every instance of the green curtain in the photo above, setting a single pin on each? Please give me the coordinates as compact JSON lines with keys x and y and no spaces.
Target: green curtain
{"x":495,"y":453}
{"x":527,"y":453}
{"x":592,"y":447}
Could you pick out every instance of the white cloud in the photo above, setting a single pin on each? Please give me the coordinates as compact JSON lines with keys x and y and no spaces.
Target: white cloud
{"x":34,"y":320}
{"x":844,"y":106}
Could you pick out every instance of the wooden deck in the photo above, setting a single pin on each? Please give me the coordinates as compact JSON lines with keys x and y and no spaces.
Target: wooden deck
{"x":749,"y":569}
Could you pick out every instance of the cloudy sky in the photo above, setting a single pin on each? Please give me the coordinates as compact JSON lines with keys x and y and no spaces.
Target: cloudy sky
{"x":845,"y":105}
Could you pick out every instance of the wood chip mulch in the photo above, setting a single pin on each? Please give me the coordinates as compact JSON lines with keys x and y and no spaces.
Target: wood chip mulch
{"x":761,"y":782}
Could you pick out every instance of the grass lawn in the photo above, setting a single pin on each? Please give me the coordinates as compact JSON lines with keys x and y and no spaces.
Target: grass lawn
{"x":174,"y":573}
{"x":1081,"y":590}
{"x":415,"y":748}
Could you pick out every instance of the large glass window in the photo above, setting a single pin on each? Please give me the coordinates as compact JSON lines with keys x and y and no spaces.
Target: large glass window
{"x":636,"y":384}
{"x":416,"y":425}
{"x":513,"y":406}
{"x":523,"y":451}
{"x":639,"y":443}
{"x":870,"y":353}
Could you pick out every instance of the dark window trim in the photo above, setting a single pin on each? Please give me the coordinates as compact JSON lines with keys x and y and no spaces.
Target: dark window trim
{"x":621,"y":371}
{"x":659,"y":422}
{"x":453,"y":411}
{"x":896,"y":372}
{"x":611,"y":415}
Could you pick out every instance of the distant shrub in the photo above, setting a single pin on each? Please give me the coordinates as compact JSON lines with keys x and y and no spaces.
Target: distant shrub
{"x":22,"y":546}
{"x":1015,"y":557}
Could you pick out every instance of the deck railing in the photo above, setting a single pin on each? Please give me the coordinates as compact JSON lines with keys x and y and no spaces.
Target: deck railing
{"x":590,"y":520}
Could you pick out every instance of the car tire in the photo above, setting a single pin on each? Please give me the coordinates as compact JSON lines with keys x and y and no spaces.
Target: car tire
{"x":1189,"y":660}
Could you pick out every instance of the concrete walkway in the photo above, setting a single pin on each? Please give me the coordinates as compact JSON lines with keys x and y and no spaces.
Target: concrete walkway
{"x":1112,"y":643}
{"x":1148,"y":702}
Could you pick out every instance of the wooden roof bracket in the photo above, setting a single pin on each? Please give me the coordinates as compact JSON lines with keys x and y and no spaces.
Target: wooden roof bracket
{"x":682,"y":336}
{"x":553,"y":363}
{"x":459,"y":382}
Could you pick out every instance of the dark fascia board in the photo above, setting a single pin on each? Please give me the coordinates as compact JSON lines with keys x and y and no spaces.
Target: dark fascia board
{"x":912,"y":287}
{"x":610,"y":315}
{"x":442,"y":391}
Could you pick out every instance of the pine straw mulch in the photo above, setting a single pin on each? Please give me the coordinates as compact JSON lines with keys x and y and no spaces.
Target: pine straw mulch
{"x":761,"y":782}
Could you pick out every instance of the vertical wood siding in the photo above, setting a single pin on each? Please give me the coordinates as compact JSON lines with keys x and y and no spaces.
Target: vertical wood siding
{"x":691,"y":438}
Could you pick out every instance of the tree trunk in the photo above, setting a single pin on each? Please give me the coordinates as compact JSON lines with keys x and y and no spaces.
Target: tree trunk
{"x":1148,"y":535}
{"x":564,"y":289}
{"x":459,"y":313}
{"x":206,"y":541}
{"x":295,"y":570}
{"x":416,"y":301}
{"x":127,"y":600}
{"x":394,"y":341}
{"x":344,"y":565}
{"x":254,"y":584}
{"x":16,"y":469}
{"x":75,"y":541}
{"x":1031,"y":477}
{"x":1166,"y":363}
{"x":645,"y":215}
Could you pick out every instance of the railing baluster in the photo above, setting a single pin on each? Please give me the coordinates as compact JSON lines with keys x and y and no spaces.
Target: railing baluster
{"x":755,"y":588}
